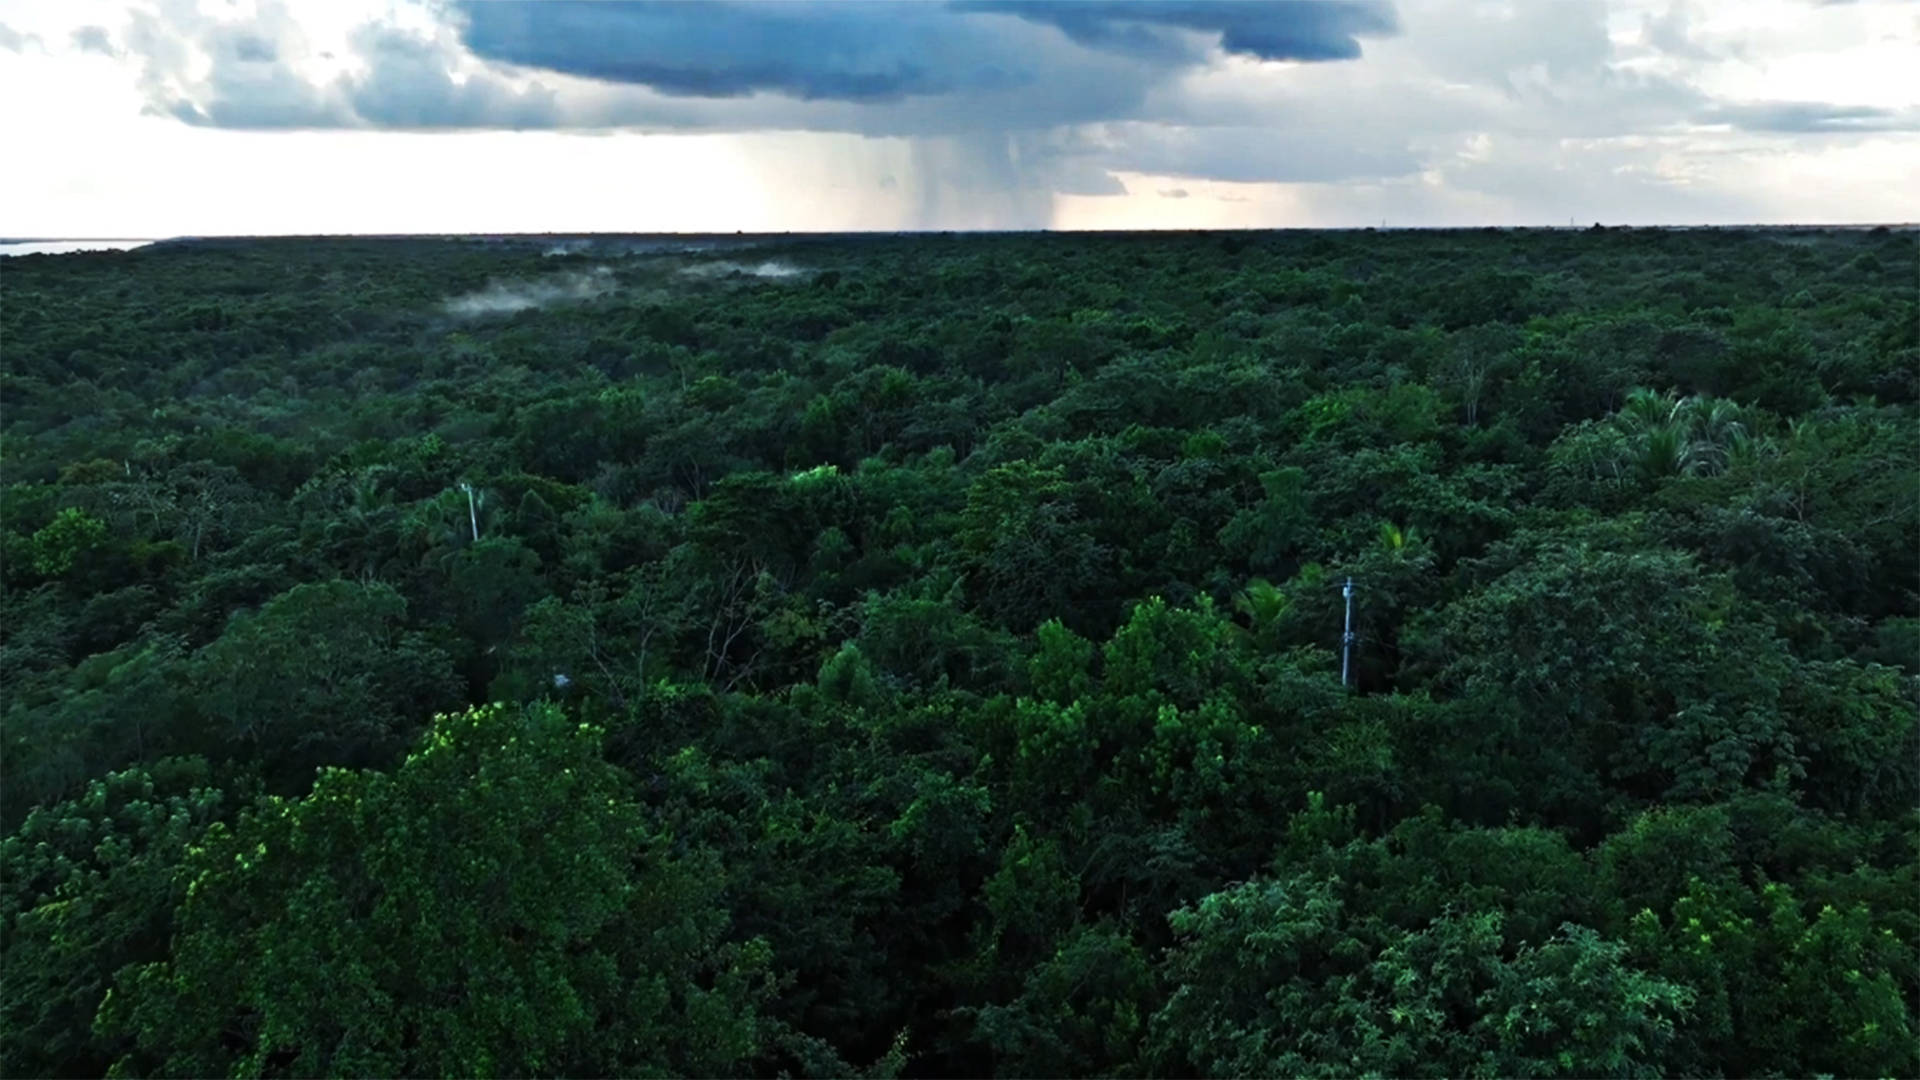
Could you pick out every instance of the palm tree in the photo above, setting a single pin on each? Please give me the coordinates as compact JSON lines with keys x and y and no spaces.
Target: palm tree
{"x":368,"y":511}
{"x":1395,"y":539}
{"x":441,"y":520}
{"x":1666,"y":435}
{"x":1713,"y":425}
{"x":1263,"y":603}
{"x":1746,"y":450}
{"x":1663,"y":451}
{"x":1646,"y":410}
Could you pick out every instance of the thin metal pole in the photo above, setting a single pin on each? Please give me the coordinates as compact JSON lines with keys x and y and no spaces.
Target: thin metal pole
{"x":473,"y":515}
{"x":1346,"y":637}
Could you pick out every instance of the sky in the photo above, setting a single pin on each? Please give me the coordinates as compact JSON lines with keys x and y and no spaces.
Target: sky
{"x":235,"y":117}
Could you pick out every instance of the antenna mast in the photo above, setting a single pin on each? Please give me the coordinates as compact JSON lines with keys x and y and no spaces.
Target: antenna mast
{"x":1346,"y":638}
{"x":473,"y":513}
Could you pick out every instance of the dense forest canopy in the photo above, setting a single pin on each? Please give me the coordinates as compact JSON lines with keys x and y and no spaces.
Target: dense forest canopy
{"x":920,"y":655}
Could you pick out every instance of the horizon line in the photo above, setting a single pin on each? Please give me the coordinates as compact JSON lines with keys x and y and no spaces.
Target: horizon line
{"x":550,"y":234}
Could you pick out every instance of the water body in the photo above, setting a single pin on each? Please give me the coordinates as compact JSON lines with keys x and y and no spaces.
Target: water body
{"x":66,"y":247}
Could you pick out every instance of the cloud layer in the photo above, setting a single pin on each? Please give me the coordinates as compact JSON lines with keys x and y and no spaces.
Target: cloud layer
{"x":878,"y":67}
{"x":888,"y":50}
{"x":985,"y":113}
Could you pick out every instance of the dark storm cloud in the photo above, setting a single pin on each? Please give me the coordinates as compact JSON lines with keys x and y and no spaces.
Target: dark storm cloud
{"x":1003,"y":105}
{"x":1811,"y":117}
{"x":876,"y":68}
{"x":867,"y":52}
{"x":884,"y":50}
{"x":1286,"y":30}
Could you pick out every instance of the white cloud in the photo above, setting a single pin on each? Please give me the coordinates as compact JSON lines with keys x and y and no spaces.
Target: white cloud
{"x":1475,"y":112}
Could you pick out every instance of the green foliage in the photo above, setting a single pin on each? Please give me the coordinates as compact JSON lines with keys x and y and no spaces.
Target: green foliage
{"x":1080,"y":1012}
{"x":90,"y":887}
{"x":1031,"y":555}
{"x":1618,"y":677}
{"x":362,"y":678}
{"x":1275,"y":978}
{"x":964,"y":619}
{"x":496,"y":905}
{"x":66,"y":539}
{"x":1784,"y":990}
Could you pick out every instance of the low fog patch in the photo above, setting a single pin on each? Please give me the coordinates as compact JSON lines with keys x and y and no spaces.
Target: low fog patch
{"x":773,"y":269}
{"x":507,"y":297}
{"x":620,"y":247}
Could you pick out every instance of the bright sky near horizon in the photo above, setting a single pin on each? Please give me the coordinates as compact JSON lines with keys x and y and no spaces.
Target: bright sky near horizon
{"x":328,"y":116}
